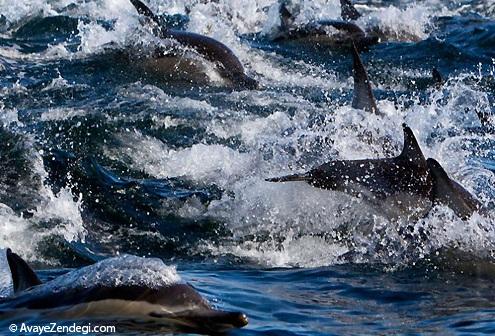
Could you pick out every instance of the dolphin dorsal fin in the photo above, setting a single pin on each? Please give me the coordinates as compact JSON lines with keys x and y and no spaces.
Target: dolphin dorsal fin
{"x":286,"y":17}
{"x":23,"y":276}
{"x":347,"y":11}
{"x":411,"y":151}
{"x":437,"y":77}
{"x":142,"y":9}
{"x":451,"y":193}
{"x":363,"y":97}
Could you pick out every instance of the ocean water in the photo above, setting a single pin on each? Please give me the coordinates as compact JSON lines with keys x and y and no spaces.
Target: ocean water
{"x":100,"y":158}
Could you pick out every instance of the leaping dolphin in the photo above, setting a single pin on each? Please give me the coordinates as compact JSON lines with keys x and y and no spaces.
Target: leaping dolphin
{"x":227,"y":63}
{"x":409,"y":182}
{"x":171,"y":305}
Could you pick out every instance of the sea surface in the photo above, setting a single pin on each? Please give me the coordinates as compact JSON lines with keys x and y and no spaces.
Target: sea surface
{"x":99,"y":158}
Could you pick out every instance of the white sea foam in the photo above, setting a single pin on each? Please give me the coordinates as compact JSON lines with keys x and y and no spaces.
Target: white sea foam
{"x":301,"y":222}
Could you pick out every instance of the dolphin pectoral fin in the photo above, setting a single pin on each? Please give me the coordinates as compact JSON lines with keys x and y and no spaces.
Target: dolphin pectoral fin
{"x":289,"y":178}
{"x":23,"y":277}
{"x":348,"y":11}
{"x":363,"y":97}
{"x":411,"y":151}
{"x":450,"y":193}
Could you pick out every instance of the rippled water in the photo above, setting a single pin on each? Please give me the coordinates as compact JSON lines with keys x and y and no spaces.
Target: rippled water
{"x":100,"y":158}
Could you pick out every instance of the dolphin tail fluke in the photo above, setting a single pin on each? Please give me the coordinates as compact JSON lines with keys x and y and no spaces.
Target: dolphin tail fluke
{"x":348,"y":11}
{"x":363,"y":97}
{"x":450,"y":193}
{"x":23,"y":276}
{"x":289,"y":178}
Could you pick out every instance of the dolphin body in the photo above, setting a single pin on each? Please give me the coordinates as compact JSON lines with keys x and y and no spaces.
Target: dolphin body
{"x":171,"y":305}
{"x":407,"y":182}
{"x":227,"y":64}
{"x":316,"y":31}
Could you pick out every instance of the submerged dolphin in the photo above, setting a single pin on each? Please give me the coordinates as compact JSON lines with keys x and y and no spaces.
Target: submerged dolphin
{"x":316,"y":31}
{"x":408,"y":182}
{"x":83,"y":294}
{"x":228,"y":65}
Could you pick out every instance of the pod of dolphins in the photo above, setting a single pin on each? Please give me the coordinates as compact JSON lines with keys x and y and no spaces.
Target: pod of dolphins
{"x":408,"y":183}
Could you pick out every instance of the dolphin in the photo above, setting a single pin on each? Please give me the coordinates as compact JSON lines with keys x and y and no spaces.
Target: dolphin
{"x":316,"y":31}
{"x":173,"y":305}
{"x":349,"y":13}
{"x":407,"y":182}
{"x":350,"y":31}
{"x":227,"y":64}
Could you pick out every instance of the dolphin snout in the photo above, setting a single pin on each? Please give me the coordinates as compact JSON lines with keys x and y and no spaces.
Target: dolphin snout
{"x":289,"y":178}
{"x":247,"y":82}
{"x":239,"y":320}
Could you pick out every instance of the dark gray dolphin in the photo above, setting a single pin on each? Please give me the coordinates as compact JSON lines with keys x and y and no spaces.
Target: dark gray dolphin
{"x":227,"y":63}
{"x":408,"y":181}
{"x":316,"y":32}
{"x":350,"y":31}
{"x":350,"y":13}
{"x":177,"y":306}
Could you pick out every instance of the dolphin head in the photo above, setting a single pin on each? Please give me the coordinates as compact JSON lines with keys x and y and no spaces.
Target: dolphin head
{"x":172,"y":306}
{"x":190,"y":312}
{"x":243,"y":81}
{"x":324,"y":177}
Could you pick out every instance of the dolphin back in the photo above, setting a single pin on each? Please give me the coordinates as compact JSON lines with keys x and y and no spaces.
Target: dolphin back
{"x":450,"y":193}
{"x":23,"y":276}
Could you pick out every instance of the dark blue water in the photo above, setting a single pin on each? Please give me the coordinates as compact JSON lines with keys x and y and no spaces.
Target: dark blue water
{"x":100,"y":158}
